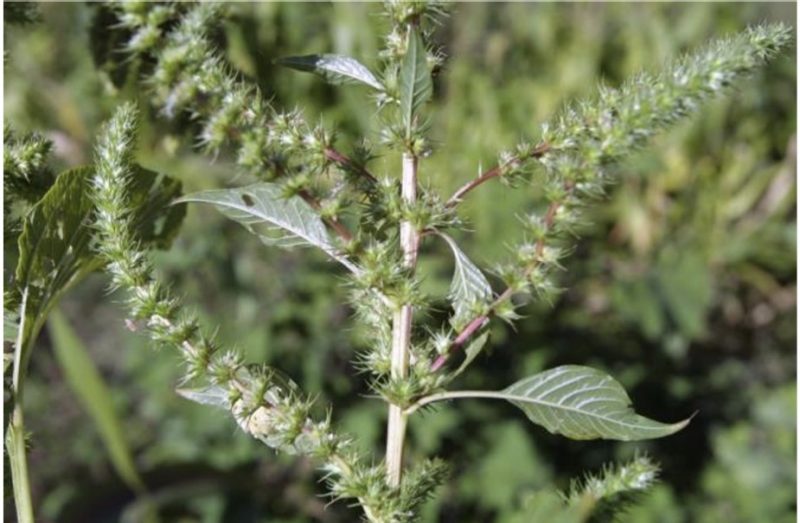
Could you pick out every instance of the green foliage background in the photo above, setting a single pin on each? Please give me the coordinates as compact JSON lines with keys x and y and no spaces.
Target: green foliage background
{"x":683,"y":287}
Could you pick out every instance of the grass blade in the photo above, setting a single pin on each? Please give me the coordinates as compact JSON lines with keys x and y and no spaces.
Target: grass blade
{"x":87,"y":384}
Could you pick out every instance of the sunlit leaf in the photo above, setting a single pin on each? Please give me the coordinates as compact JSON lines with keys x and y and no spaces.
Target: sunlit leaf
{"x":263,"y":209}
{"x":415,"y":82}
{"x":468,"y":287}
{"x":334,"y":68}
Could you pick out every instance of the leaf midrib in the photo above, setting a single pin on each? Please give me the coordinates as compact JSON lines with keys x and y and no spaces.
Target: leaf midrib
{"x":548,"y":404}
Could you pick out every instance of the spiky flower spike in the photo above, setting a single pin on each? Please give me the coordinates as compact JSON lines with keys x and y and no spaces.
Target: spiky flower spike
{"x":265,"y":404}
{"x":578,"y":150}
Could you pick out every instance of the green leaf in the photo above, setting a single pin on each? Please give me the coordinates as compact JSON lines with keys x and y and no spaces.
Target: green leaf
{"x":262,"y":209}
{"x":155,"y":222}
{"x":333,"y":67}
{"x":55,"y":247}
{"x":584,"y":403}
{"x":469,"y":286}
{"x":471,"y":352}
{"x":87,"y":384}
{"x":414,"y":80}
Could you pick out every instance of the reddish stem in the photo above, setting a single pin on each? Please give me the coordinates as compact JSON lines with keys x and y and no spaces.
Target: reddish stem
{"x":468,"y":331}
{"x":478,"y":322}
{"x":494,"y":172}
{"x":333,"y":223}
{"x":346,"y":163}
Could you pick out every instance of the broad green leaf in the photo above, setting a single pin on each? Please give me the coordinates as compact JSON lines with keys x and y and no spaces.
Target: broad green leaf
{"x":262,"y":209}
{"x":468,"y":287}
{"x":333,"y":67}
{"x":584,"y":403}
{"x":55,"y":247}
{"x":471,"y":352}
{"x":414,"y":80}
{"x":87,"y":384}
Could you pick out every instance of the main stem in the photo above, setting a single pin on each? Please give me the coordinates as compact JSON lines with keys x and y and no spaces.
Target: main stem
{"x":401,"y":328}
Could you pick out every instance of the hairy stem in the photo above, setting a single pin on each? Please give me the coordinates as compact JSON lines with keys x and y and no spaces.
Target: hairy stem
{"x":401,"y":328}
{"x":347,"y":470}
{"x":338,"y":227}
{"x":409,"y":236}
{"x":494,"y":172}
{"x":346,"y":163}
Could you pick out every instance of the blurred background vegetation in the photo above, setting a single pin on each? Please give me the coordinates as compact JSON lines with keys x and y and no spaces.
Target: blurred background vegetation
{"x":683,"y":286}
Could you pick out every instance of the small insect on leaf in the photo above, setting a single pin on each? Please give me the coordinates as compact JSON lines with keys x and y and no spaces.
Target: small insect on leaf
{"x":248,"y":200}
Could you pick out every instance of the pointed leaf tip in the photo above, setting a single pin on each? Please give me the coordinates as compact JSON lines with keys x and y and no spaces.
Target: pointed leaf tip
{"x":584,"y":403}
{"x":469,"y":286}
{"x":333,"y":67}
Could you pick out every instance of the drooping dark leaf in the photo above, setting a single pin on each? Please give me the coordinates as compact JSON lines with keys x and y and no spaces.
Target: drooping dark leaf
{"x":155,"y":222}
{"x":106,"y":38}
{"x":55,"y":247}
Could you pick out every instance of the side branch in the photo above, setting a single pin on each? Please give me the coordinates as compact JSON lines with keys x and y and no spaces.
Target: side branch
{"x":494,"y":172}
{"x":337,"y":226}
{"x":348,"y":164}
{"x":480,"y":321}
